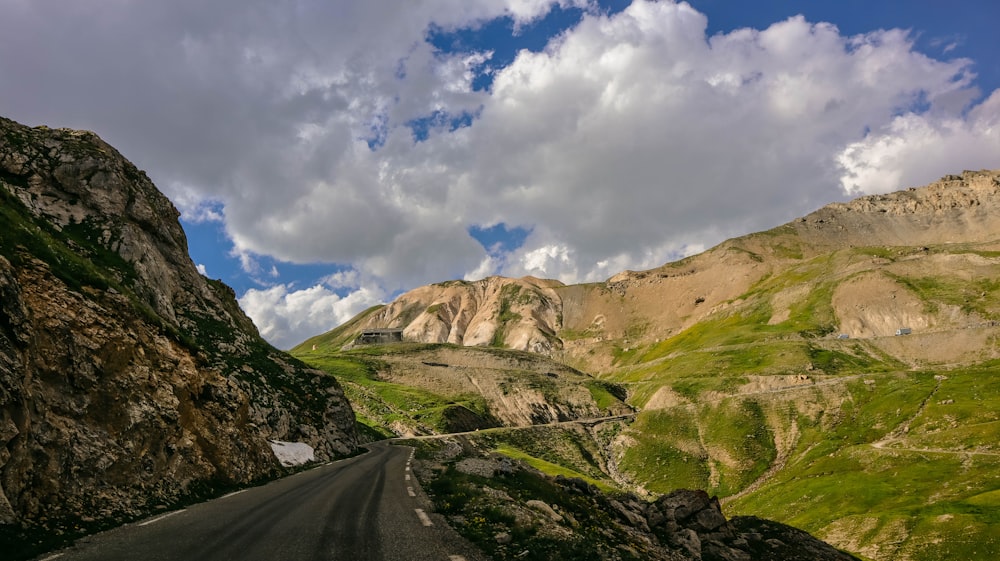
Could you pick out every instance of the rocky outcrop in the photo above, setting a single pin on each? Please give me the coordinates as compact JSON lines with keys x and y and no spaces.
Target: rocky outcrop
{"x":128,"y":381}
{"x":693,"y":522}
{"x":692,"y":526}
{"x":954,"y":208}
{"x":522,"y":314}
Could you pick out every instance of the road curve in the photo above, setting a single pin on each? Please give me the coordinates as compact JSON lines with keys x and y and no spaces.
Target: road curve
{"x":362,"y":508}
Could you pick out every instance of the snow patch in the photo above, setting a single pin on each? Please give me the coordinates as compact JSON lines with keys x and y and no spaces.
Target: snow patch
{"x":292,"y":453}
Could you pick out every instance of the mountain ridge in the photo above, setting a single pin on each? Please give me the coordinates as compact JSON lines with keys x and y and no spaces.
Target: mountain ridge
{"x":567,"y":321}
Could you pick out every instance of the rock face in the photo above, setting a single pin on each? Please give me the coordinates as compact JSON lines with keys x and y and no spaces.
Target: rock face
{"x":523,"y":314}
{"x":127,"y":379}
{"x":955,"y":208}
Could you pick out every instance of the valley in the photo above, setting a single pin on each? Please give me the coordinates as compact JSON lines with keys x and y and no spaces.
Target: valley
{"x":768,"y":370}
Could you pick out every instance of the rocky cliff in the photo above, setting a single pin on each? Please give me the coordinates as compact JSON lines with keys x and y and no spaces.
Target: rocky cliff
{"x":128,"y":381}
{"x":523,"y":314}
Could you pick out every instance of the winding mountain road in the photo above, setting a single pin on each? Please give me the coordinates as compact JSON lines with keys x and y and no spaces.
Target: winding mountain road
{"x":363,"y":508}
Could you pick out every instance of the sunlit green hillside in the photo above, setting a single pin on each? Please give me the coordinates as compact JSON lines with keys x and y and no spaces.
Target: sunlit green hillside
{"x":840,"y":373}
{"x":877,"y":443}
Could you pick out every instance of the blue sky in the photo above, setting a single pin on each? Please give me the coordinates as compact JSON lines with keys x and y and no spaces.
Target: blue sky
{"x":328,"y":155}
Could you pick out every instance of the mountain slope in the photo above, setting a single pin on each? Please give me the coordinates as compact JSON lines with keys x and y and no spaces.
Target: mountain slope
{"x":128,"y":381}
{"x":768,"y":370}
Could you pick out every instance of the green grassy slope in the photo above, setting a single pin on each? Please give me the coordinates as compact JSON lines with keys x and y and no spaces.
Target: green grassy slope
{"x":909,"y":468}
{"x":385,"y":408}
{"x":404,"y":388}
{"x":852,"y":440}
{"x":333,"y":340}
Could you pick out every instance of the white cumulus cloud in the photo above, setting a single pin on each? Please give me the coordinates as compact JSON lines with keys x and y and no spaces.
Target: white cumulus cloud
{"x":630,"y":140}
{"x":286,"y":317}
{"x":912,"y":148}
{"x":635,"y":136}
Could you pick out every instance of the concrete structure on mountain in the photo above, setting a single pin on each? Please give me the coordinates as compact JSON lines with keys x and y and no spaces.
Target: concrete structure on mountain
{"x":379,"y":336}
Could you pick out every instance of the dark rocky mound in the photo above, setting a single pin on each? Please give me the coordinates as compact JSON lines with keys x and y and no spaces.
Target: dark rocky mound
{"x":693,"y":522}
{"x":692,"y":526}
{"x":515,"y":512}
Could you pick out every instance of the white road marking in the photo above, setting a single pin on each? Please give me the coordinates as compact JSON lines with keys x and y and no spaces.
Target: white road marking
{"x":50,"y":557}
{"x":407,"y":468}
{"x":456,"y":558}
{"x":232,"y":494}
{"x":424,"y":519}
{"x":409,"y":490}
{"x":158,"y":518}
{"x":407,"y":477}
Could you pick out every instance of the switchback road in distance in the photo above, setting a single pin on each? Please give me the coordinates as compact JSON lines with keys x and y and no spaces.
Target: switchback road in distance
{"x":365,"y":508}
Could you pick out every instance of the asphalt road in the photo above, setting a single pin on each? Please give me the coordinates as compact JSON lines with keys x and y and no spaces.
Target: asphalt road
{"x":363,"y":508}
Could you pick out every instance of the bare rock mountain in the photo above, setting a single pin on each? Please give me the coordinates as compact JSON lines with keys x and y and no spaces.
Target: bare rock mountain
{"x":521,"y":313}
{"x":128,"y":381}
